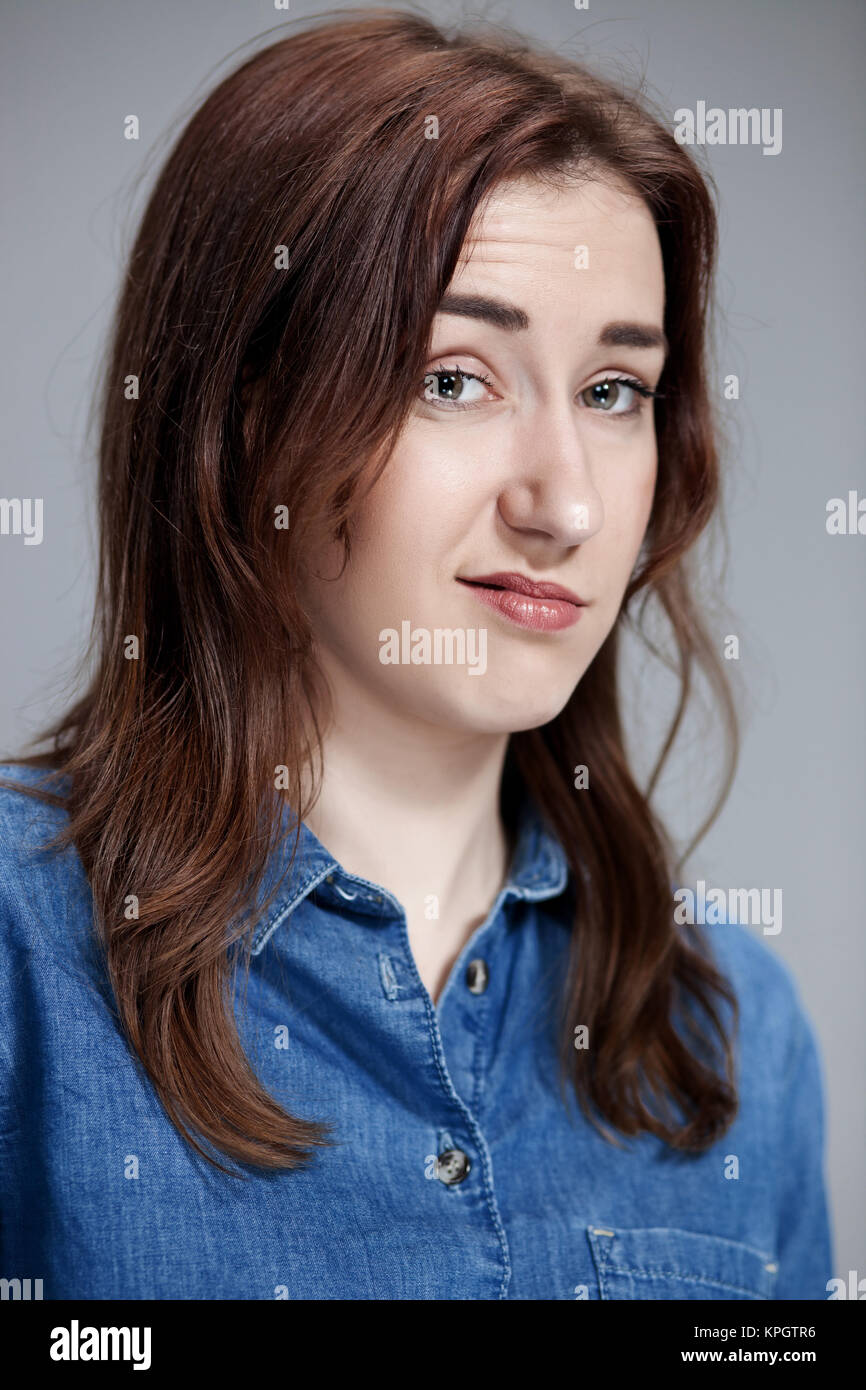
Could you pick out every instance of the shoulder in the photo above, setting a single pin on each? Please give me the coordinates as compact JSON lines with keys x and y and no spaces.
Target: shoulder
{"x":749,"y":960}
{"x":44,"y":892}
{"x":22,"y":812}
{"x":28,"y":823}
{"x":776,"y":1035}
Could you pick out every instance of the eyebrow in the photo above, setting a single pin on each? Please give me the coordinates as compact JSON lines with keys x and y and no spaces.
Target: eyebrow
{"x":508,"y":317}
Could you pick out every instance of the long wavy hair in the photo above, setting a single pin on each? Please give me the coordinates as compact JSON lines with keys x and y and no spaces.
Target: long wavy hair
{"x":296,"y":245}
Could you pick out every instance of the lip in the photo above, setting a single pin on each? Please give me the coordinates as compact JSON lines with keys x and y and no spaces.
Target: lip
{"x":529,"y":603}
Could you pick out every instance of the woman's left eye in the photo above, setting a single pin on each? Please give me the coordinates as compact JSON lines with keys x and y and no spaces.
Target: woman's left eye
{"x":627,"y":393}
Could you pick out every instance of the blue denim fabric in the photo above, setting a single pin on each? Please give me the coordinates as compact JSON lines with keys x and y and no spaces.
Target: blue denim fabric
{"x":549,"y":1209}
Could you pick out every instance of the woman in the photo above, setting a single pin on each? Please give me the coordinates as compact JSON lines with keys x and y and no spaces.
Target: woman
{"x":354,"y":969}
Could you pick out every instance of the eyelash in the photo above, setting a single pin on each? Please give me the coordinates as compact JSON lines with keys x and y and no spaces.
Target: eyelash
{"x":644,"y":392}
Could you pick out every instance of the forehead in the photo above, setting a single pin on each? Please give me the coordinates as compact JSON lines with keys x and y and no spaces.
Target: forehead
{"x":527,"y":240}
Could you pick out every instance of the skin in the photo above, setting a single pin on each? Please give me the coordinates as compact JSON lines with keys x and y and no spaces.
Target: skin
{"x":531,"y":477}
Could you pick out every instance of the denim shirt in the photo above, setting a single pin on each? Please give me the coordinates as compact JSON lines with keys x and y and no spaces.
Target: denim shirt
{"x":458,"y":1168}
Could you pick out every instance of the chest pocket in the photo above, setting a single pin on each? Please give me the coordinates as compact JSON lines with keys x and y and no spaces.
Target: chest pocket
{"x":665,"y":1262}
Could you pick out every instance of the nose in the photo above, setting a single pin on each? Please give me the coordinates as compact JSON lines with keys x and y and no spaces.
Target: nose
{"x":550,"y":490}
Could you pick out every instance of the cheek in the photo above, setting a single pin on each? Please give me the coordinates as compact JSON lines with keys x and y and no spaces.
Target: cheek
{"x":644,"y":498}
{"x":627,"y":506}
{"x":394,"y":544}
{"x":415,"y":516}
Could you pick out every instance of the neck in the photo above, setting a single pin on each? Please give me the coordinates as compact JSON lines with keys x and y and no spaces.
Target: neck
{"x":412,"y":806}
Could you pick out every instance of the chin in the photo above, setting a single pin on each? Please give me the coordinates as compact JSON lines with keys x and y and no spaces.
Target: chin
{"x":503,"y":711}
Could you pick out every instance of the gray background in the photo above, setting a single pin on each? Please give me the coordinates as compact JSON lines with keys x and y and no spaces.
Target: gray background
{"x":792,"y":315}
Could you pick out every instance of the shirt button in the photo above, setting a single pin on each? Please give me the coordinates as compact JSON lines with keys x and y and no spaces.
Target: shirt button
{"x":477,"y":976}
{"x":452,"y":1166}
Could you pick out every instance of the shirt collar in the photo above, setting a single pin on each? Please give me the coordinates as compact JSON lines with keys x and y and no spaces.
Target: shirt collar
{"x":539,"y":869}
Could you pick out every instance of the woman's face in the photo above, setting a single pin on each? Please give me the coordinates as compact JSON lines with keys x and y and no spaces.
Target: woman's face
{"x":522,"y":466}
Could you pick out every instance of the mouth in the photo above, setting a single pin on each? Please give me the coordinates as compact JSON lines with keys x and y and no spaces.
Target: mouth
{"x":529,"y":603}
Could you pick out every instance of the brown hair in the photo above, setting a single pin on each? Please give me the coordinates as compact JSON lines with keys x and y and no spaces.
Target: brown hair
{"x":252,"y":393}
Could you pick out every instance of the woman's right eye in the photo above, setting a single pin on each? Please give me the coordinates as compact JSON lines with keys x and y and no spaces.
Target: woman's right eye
{"x":451,"y":388}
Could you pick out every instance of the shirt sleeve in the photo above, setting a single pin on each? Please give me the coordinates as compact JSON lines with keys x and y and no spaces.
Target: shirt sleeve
{"x":804,"y":1244}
